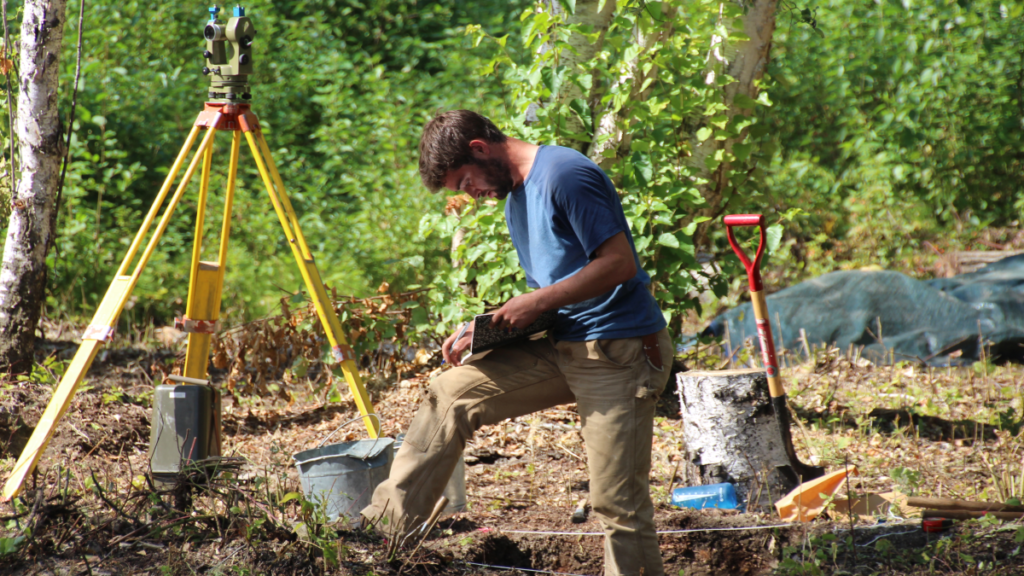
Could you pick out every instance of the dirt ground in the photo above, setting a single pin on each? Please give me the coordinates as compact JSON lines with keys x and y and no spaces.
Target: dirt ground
{"x":91,"y":510}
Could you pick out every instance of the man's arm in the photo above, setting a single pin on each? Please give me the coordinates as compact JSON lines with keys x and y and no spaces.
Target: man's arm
{"x":613,"y":264}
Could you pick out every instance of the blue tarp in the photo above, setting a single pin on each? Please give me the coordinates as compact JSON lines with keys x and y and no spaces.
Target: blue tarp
{"x":892,"y":317}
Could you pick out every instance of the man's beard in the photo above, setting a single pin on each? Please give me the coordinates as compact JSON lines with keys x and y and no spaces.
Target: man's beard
{"x":498,"y":176}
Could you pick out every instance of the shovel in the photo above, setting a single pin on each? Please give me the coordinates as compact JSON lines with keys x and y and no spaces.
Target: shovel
{"x":796,"y":472}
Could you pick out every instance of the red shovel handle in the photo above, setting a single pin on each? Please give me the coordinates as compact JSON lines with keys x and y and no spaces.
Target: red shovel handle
{"x":753,"y":268}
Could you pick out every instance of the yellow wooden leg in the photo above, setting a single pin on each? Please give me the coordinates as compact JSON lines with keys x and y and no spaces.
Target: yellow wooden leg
{"x":168,"y":182}
{"x":99,"y":331}
{"x":166,"y":218}
{"x":325,"y":310}
{"x":102,"y":327}
{"x":204,"y":303}
{"x":206,"y":288}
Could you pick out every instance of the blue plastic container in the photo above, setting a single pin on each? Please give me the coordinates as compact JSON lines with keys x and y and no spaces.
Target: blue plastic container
{"x":709,"y":496}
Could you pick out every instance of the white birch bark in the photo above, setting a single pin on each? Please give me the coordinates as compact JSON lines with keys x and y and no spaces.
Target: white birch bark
{"x":589,"y":13}
{"x":23,"y":271}
{"x":608,"y":130}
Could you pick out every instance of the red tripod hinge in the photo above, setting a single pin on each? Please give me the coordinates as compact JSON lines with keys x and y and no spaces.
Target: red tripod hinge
{"x":233,"y":117}
{"x":197,"y":326}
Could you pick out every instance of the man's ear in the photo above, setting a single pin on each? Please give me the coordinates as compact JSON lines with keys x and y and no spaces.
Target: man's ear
{"x":481,"y":149}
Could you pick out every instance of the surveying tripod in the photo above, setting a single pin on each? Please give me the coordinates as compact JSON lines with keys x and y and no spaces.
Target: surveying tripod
{"x":226,"y":110}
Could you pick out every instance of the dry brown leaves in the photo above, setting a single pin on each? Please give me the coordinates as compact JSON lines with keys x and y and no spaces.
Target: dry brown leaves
{"x":268,"y":356}
{"x":456,"y":204}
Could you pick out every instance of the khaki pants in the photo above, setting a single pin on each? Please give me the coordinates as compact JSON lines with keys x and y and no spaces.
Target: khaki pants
{"x":615,"y":389}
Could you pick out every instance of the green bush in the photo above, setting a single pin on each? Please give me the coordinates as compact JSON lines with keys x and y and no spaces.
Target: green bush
{"x":895,"y":121}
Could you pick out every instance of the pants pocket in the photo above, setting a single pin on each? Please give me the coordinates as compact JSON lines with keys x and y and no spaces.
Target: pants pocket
{"x":622,"y":352}
{"x":659,"y":378}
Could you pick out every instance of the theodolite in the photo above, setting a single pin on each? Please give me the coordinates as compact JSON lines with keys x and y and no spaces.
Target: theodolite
{"x":230,"y":75}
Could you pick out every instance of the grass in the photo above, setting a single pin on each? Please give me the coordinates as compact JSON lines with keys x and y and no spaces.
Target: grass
{"x":946,"y":432}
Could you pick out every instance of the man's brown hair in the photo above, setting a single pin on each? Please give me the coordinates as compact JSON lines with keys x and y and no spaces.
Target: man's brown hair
{"x":444,"y":145}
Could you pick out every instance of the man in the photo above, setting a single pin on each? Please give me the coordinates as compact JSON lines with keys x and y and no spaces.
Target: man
{"x":606,"y":351}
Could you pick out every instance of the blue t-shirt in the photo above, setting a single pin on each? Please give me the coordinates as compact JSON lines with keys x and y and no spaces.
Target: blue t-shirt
{"x":558,"y":217}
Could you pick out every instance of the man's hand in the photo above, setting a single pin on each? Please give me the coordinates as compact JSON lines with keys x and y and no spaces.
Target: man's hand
{"x":518,"y":312}
{"x":453,"y":349}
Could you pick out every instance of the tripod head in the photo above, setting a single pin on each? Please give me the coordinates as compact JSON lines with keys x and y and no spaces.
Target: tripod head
{"x":229,"y":82}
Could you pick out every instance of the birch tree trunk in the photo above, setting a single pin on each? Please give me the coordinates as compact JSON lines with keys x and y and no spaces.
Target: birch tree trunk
{"x":608,"y":126}
{"x":23,"y":271}
{"x":746,"y":63}
{"x":589,"y":13}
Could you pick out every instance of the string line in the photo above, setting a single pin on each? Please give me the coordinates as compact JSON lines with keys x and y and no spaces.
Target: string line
{"x":549,"y":533}
{"x":521,"y":569}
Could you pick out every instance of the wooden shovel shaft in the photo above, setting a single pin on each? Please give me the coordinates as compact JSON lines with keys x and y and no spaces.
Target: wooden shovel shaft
{"x":802,"y":471}
{"x":764,"y":334}
{"x":797,"y":471}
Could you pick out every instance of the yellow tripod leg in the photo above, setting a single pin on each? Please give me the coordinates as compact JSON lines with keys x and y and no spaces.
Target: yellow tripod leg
{"x":204,"y":290}
{"x":325,"y":310}
{"x":102,"y":327}
{"x":206,"y":286}
{"x":168,"y":182}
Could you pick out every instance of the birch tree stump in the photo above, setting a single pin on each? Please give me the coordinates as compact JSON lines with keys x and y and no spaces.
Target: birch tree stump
{"x":731,"y":433}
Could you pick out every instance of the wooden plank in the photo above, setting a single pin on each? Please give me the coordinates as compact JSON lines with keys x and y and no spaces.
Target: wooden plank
{"x":952,"y":504}
{"x":970,"y":514}
{"x":966,"y":261}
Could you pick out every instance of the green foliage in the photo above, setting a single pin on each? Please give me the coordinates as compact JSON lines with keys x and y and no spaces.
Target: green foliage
{"x":488,"y":258}
{"x":316,"y":527}
{"x":342,"y":89}
{"x":17,"y":530}
{"x":906,"y":479}
{"x":809,"y":561}
{"x":1010,"y":421}
{"x":6,"y":195}
{"x":48,"y":372}
{"x":895,"y":120}
{"x":887,"y":122}
{"x":115,"y":394}
{"x":8,"y":546}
